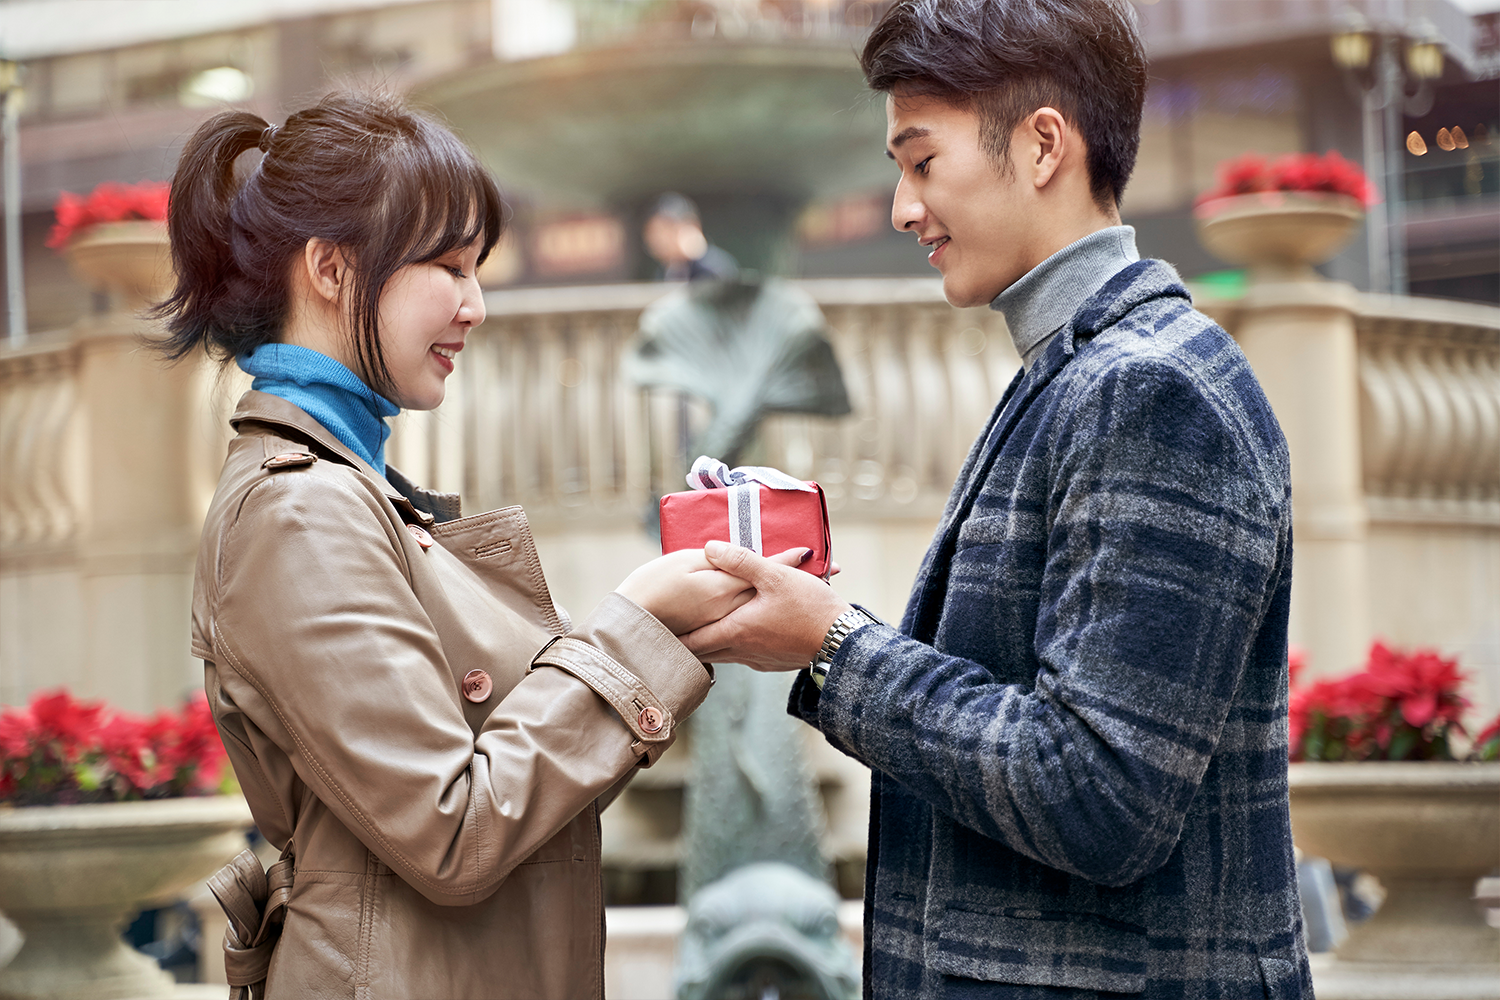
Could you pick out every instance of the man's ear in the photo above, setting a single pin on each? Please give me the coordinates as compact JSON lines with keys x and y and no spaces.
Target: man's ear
{"x":326,"y":268}
{"x":1050,"y":140}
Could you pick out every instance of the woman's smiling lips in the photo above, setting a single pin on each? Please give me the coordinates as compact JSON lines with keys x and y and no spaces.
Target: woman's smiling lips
{"x":445,"y":354}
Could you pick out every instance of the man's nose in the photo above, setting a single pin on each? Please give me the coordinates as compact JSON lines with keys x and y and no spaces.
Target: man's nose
{"x":907,"y":210}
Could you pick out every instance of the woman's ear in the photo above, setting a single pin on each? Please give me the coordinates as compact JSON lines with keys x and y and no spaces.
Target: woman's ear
{"x":326,"y":269}
{"x":1051,"y":140}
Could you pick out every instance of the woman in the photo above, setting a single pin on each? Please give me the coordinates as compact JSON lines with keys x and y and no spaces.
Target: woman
{"x":411,"y":719}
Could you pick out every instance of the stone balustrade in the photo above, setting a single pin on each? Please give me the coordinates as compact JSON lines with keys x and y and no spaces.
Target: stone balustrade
{"x":538,"y":413}
{"x":1430,"y":401}
{"x":42,"y":501}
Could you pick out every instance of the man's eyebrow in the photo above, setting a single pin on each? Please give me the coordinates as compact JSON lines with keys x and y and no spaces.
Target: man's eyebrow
{"x":899,"y":139}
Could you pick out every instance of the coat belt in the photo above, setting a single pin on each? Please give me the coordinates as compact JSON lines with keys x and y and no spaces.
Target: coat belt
{"x":255,"y":902}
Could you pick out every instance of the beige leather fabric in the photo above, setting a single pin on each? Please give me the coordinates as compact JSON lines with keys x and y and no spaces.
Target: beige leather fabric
{"x":442,"y":846}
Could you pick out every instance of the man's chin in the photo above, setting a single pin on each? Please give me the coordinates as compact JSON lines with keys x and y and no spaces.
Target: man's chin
{"x":963,"y":294}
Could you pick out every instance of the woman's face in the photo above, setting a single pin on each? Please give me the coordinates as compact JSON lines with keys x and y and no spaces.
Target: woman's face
{"x":426,"y":313}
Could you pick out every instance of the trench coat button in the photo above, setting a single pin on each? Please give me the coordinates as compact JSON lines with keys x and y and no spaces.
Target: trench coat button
{"x":423,"y":539}
{"x":650,"y":720}
{"x":287,"y":458}
{"x":477,"y":686}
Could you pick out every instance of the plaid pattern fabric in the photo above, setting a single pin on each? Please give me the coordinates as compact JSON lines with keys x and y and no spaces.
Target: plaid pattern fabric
{"x":1078,"y":734}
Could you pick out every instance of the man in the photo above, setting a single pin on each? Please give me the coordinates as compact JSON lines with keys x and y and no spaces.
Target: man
{"x":1078,"y":733}
{"x":674,"y":238}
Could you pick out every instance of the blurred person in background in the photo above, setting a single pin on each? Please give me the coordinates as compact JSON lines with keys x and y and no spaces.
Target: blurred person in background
{"x":674,"y":237}
{"x":1078,"y":733}
{"x":414,"y":723}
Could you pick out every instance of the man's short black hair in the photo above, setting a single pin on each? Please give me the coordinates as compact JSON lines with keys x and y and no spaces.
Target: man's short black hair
{"x":1006,"y":58}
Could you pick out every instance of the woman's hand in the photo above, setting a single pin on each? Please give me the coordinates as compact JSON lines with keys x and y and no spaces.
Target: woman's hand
{"x":683,"y":591}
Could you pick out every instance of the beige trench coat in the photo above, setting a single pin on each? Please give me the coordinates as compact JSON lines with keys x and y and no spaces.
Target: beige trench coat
{"x":440,"y":826}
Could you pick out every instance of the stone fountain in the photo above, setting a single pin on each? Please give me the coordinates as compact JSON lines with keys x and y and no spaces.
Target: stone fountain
{"x":751,"y":131}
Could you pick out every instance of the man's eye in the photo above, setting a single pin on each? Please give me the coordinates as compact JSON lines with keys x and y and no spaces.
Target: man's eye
{"x":921,"y":168}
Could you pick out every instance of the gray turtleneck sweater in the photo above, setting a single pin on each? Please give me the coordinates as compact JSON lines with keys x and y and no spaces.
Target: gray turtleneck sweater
{"x":1045,"y":298}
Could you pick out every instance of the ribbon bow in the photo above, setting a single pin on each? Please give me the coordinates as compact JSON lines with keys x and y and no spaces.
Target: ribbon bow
{"x":743,"y":483}
{"x":712,"y":474}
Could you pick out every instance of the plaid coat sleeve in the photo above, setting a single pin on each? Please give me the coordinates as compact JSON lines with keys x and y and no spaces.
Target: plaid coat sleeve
{"x":1163,"y":520}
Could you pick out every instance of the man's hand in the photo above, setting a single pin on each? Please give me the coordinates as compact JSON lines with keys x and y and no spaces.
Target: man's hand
{"x":781,"y":627}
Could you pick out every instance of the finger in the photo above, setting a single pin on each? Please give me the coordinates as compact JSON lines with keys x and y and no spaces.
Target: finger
{"x":737,"y":561}
{"x":687,"y":560}
{"x":834,"y":569}
{"x":707,"y":642}
{"x":791,"y":557}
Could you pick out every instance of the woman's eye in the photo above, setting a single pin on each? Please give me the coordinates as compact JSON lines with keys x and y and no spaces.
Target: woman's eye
{"x":457,"y":272}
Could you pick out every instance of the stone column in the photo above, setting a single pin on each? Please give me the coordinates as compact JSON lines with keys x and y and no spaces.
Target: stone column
{"x":1297,"y":329}
{"x":1299,"y":337}
{"x":139,"y":538}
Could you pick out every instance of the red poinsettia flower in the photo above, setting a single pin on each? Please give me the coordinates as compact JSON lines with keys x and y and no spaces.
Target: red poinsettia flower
{"x":1402,"y":706}
{"x":62,"y":750}
{"x":1329,"y":172}
{"x":109,"y":202}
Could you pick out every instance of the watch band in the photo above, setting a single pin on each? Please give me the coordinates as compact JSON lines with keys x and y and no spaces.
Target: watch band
{"x":842,"y":626}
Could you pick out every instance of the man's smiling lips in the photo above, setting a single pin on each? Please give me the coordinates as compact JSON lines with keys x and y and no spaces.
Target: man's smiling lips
{"x":936,"y":243}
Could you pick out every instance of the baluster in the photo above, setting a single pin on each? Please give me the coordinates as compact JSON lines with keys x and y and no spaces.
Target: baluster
{"x":1380,"y":423}
{"x":1437,"y":439}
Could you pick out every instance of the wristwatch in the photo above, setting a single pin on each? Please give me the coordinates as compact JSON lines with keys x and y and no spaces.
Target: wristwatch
{"x":837,"y":633}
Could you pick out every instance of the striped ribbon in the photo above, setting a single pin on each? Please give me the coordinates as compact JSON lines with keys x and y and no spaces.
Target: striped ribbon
{"x":743,"y":483}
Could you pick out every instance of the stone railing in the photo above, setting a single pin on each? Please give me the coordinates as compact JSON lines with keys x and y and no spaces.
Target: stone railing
{"x":1429,"y":376}
{"x":539,"y":414}
{"x":42,"y":497}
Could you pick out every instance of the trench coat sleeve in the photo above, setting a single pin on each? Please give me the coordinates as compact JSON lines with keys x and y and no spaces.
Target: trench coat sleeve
{"x":1162,"y":556}
{"x":320,"y":640}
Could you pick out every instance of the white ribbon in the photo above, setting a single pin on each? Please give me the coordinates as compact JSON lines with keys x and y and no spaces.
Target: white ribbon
{"x":743,"y":483}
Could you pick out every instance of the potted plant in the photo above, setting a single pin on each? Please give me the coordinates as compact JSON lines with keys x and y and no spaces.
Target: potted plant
{"x":1375,"y":784}
{"x":116,"y":239}
{"x":1281,"y":217}
{"x":102,"y":814}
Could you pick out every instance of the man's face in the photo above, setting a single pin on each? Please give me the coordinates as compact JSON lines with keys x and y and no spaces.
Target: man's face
{"x":971,"y":216}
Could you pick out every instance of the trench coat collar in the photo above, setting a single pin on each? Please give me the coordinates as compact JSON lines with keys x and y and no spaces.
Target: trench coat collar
{"x":264,"y":408}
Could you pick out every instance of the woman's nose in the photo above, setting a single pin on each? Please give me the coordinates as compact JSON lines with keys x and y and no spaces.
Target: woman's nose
{"x":471,"y":309}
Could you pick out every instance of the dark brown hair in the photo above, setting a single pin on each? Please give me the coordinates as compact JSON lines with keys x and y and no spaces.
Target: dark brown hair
{"x":1006,"y":58}
{"x":388,"y":186}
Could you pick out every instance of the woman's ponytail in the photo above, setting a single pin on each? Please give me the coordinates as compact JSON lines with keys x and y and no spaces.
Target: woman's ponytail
{"x":210,"y":289}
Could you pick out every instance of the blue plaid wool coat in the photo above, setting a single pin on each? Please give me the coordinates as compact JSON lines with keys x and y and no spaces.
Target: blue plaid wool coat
{"x":1078,"y":735}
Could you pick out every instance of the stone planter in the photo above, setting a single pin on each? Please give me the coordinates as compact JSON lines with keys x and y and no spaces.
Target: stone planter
{"x":71,"y":876}
{"x":1278,"y":235}
{"x":130,"y":261}
{"x":1428,"y":830}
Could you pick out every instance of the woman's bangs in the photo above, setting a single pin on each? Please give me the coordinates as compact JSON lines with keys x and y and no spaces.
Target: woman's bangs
{"x":451,"y":205}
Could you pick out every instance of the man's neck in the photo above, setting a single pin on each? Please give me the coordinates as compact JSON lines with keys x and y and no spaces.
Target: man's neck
{"x":1045,"y":298}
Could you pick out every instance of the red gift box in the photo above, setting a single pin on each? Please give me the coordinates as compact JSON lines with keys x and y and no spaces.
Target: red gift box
{"x":786,"y":519}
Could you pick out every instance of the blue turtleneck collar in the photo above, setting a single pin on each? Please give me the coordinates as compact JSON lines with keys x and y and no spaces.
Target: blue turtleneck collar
{"x":328,"y":392}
